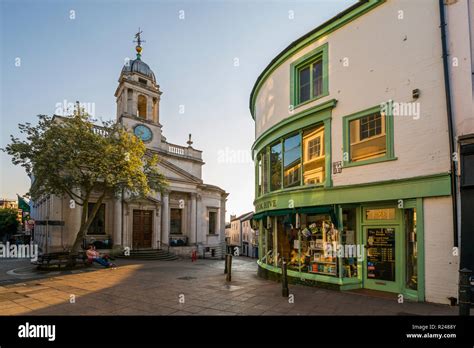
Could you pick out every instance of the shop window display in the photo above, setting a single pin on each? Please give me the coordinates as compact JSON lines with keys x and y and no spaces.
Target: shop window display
{"x":312,"y":247}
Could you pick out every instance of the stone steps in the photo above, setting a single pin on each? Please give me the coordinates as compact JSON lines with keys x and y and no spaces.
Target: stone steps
{"x":150,"y":254}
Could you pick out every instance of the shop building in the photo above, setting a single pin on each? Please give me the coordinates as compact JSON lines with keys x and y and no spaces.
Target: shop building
{"x":352,"y":153}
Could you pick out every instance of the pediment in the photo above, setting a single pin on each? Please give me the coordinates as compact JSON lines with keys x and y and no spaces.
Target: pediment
{"x":174,"y":173}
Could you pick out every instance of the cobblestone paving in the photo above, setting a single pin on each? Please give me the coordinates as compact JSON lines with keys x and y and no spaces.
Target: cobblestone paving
{"x":159,"y":288}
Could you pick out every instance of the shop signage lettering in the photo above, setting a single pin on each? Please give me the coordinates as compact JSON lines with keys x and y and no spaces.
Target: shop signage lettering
{"x":266,"y":205}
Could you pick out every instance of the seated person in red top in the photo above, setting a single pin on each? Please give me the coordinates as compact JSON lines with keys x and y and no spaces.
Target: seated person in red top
{"x":94,"y":256}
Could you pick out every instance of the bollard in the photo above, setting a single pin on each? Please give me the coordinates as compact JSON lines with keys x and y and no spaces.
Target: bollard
{"x":225,"y":264}
{"x":464,"y":292}
{"x":284,"y":279}
{"x":229,"y":268}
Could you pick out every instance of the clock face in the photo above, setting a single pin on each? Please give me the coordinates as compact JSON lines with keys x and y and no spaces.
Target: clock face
{"x":143,"y":132}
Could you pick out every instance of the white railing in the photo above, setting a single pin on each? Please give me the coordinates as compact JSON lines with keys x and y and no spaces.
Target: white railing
{"x":178,"y":150}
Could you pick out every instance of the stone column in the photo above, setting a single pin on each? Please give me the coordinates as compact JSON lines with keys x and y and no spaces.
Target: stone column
{"x":117,"y":234}
{"x":134,"y":106}
{"x":165,"y":218}
{"x":124,"y":108}
{"x":149,"y":108}
{"x":221,"y":225}
{"x":192,"y":237}
{"x":199,"y":233}
{"x":155,"y":238}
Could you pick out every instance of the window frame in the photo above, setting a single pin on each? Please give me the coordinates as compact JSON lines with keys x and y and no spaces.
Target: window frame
{"x":325,"y":148}
{"x":308,"y":60}
{"x":213,"y":211}
{"x":389,"y":144}
{"x":90,"y":206}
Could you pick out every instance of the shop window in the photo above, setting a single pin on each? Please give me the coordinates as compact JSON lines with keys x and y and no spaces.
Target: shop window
{"x":311,"y":249}
{"x":411,"y":279}
{"x":368,"y":137}
{"x":314,"y":159}
{"x":292,"y":161}
{"x":265,"y":173}
{"x":98,"y":224}
{"x":175,"y":221}
{"x":269,"y":259}
{"x":259,"y":175}
{"x":309,"y":76}
{"x":275,"y":166}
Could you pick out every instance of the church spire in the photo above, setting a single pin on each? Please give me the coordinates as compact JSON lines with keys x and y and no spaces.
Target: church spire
{"x":139,"y":41}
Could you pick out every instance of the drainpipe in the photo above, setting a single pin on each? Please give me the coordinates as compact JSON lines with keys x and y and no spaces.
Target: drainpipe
{"x":452,"y":145}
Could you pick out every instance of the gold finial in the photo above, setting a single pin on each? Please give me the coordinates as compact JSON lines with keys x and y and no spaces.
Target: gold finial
{"x":139,"y":41}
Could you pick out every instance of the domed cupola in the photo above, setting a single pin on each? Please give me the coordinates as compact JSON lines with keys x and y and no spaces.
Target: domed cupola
{"x":140,"y":67}
{"x":138,"y":94}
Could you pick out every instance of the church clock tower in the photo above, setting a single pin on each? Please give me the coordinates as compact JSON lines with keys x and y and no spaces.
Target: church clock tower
{"x":138,"y":99}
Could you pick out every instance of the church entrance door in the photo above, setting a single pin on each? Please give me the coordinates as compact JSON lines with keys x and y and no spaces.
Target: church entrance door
{"x":142,"y":228}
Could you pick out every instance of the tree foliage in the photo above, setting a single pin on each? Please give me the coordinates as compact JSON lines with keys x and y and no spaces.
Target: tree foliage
{"x":71,"y":156}
{"x":8,"y":222}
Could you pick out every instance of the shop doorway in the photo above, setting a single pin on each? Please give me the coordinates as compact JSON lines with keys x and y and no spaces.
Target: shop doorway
{"x":382,"y":239}
{"x":142,"y":228}
{"x":381,"y":261}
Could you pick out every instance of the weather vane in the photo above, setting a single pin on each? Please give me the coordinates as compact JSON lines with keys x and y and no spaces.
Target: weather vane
{"x":139,"y":41}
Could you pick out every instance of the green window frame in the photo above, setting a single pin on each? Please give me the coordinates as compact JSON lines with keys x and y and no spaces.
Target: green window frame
{"x":266,"y":186}
{"x":389,"y":145}
{"x":319,"y":54}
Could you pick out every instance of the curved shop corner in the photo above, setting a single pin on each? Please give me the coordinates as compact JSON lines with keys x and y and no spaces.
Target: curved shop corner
{"x":352,"y":157}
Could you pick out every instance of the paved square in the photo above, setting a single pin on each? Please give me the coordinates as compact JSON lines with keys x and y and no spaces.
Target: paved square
{"x":186,"y":288}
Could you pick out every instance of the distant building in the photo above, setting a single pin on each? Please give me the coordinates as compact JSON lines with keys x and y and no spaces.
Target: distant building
{"x":7,"y":203}
{"x":241,"y":234}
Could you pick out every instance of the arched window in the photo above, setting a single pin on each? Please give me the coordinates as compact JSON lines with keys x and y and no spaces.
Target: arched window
{"x":141,"y":107}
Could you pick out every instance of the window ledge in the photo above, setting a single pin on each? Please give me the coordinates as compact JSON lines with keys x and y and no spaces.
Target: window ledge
{"x":310,"y":100}
{"x":370,"y":161}
{"x":288,"y":189}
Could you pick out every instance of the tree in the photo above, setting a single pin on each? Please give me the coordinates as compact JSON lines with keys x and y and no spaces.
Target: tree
{"x":71,"y":156}
{"x":8,"y":222}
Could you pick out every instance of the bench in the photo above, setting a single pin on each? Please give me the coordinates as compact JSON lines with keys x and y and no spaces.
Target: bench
{"x":61,"y":259}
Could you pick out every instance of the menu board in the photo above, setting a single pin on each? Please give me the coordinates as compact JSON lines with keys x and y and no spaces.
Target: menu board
{"x":381,"y":253}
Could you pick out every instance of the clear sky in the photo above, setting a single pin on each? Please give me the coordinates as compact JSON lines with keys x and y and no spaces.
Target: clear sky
{"x":207,"y":62}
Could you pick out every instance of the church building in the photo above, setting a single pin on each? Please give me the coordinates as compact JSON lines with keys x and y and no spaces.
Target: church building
{"x":189,"y":215}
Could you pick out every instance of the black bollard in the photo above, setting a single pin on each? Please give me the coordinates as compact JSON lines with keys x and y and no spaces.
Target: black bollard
{"x":225,"y":264}
{"x":229,"y":268}
{"x":284,"y":279}
{"x":464,"y":292}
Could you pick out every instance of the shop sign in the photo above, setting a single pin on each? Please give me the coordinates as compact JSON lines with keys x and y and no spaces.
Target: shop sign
{"x":266,"y":205}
